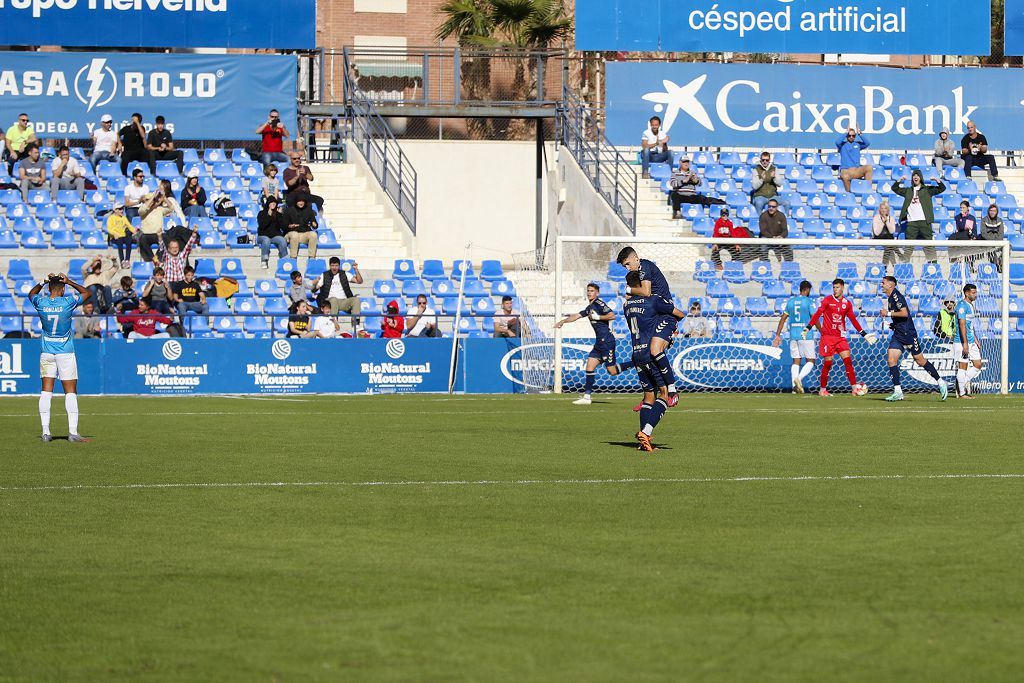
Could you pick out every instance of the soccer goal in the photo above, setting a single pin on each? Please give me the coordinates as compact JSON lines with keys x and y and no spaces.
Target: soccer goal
{"x":741,"y":287}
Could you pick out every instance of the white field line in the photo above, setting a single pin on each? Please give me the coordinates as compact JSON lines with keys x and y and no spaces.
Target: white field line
{"x":508,"y":482}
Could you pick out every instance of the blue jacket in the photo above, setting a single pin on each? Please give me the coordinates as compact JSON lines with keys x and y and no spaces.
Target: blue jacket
{"x":849,"y":152}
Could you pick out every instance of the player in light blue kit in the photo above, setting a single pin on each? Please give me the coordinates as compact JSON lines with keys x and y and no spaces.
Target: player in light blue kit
{"x":966,"y":349}
{"x":798,"y":312}
{"x":57,"y":353}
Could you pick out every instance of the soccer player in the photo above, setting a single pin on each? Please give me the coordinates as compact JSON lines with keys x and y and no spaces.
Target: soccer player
{"x":599,"y":314}
{"x":904,"y":338}
{"x":654,"y":283}
{"x":798,"y":313}
{"x":644,"y":316}
{"x":57,"y":357}
{"x":833,"y":313}
{"x":966,"y":348}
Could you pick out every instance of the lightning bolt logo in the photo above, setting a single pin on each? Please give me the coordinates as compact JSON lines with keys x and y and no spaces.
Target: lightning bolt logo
{"x":95,"y":80}
{"x":94,"y":75}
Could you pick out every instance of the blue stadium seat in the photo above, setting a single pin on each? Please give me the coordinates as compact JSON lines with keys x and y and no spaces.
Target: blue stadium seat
{"x":413,"y":288}
{"x":704,"y":271}
{"x":33,"y":239}
{"x":847,"y":270}
{"x":795,"y":173}
{"x":83,"y":224}
{"x":874,"y":271}
{"x":246,"y":305}
{"x":449,"y":306}
{"x":93,"y":240}
{"x":717,"y":289}
{"x":457,"y":267}
{"x":8,"y":240}
{"x":729,"y":306}
{"x":7,"y":305}
{"x":785,"y":159}
{"x":817,"y":200}
{"x":789,"y":271}
{"x":275,"y":305}
{"x":806,"y":186}
{"x":904,"y":272}
{"x":385,"y":288}
{"x":822,"y":173}
{"x":742,"y":174}
{"x":251,"y":170}
{"x":404,"y":269}
{"x":444,"y":288}
{"x":211,"y":240}
{"x":484,"y":306}
{"x":232,"y":267}
{"x":733,"y":272}
{"x":18,"y":210}
{"x":814,"y":228}
{"x":211,"y":156}
{"x":916,"y":290}
{"x":11,"y":323}
{"x":24,"y":224}
{"x":315,"y":267}
{"x":930,"y":306}
{"x":660,"y":172}
{"x":987,"y":273}
{"x":503,"y":288}
{"x":433,"y":269}
{"x":703,"y":226}
{"x":285,"y":267}
{"x":616,"y":272}
{"x":889,"y":161}
{"x":64,"y":239}
{"x":37,"y":197}
{"x":326,"y":239}
{"x":861,"y":288}
{"x":267,"y":289}
{"x":730,"y":159}
{"x":52,"y":225}
{"x":758,"y":305}
{"x":490,"y":270}
{"x":227,"y":326}
{"x":761,"y":271}
{"x":1016,"y":274}
{"x":217,"y":305}
{"x":715,"y":172}
{"x":239,"y":155}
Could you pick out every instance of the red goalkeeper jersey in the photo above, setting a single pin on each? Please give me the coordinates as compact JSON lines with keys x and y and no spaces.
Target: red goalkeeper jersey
{"x":833,"y":314}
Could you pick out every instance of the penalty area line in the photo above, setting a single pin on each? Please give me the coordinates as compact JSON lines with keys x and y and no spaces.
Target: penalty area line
{"x":507,"y":482}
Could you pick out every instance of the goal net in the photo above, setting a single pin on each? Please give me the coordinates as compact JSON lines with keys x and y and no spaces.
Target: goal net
{"x":737,"y":291}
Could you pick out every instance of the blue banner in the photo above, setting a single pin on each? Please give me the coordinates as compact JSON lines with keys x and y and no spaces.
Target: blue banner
{"x":778,"y":105}
{"x":281,"y":24}
{"x":1013,"y":27}
{"x":206,"y":97}
{"x":877,"y":27}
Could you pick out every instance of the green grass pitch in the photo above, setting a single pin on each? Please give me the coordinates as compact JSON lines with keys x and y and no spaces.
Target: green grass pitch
{"x":426,"y":538}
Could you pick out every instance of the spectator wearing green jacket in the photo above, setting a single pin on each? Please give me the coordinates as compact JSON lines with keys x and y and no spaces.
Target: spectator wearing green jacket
{"x":917,"y":210}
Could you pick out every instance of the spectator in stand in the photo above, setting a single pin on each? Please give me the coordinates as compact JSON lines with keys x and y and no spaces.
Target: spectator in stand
{"x":19,"y":136}
{"x":966,"y":223}
{"x":974,"y":149}
{"x":193,"y":197}
{"x":506,"y":321}
{"x":850,"y":164}
{"x":271,"y":184}
{"x":421,"y":320}
{"x":273,"y":133}
{"x":174,"y":260}
{"x":96,"y":278}
{"x":126,"y":298}
{"x":143,"y":322}
{"x":134,"y":192}
{"x":334,"y":287}
{"x":133,"y":145}
{"x":917,"y":210}
{"x":160,"y":146}
{"x":189,"y":295}
{"x":298,"y":320}
{"x":299,"y":289}
{"x":945,"y":322}
{"x":725,"y":229}
{"x":153,"y":209}
{"x":105,"y":144}
{"x":695,"y":326}
{"x":271,"y":231}
{"x":684,"y":184}
{"x":654,"y":146}
{"x":773,"y":225}
{"x":66,"y":174}
{"x":301,"y":226}
{"x":87,"y":325}
{"x":31,"y":171}
{"x":325,"y":325}
{"x":392,"y":326}
{"x":297,"y":178}
{"x":766,"y":184}
{"x":157,"y":294}
{"x":945,"y":152}
{"x":993,"y":229}
{"x":883,"y":227}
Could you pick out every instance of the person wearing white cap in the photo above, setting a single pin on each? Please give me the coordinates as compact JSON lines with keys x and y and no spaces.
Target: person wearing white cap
{"x":105,"y":144}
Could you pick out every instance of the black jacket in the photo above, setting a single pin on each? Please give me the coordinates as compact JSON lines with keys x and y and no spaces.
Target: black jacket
{"x":305,"y":218}
{"x":271,"y":224}
{"x":325,"y":285}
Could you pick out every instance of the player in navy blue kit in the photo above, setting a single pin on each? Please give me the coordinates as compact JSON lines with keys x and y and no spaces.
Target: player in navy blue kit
{"x":644,"y":316}
{"x":603,"y":353}
{"x":904,"y":338}
{"x":57,"y":352}
{"x":654,"y":284}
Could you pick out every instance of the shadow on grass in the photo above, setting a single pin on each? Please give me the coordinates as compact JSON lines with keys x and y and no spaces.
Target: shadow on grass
{"x":633,"y":445}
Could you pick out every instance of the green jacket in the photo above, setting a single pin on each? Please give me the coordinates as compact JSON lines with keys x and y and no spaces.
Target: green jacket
{"x":945,"y":325}
{"x":926,"y":192}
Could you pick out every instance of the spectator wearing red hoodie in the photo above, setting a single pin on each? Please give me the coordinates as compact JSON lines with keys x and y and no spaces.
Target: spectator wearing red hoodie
{"x":143,"y":321}
{"x":724,"y":228}
{"x":393,"y":324}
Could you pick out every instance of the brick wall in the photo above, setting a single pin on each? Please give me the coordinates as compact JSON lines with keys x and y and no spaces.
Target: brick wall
{"x":338,"y":23}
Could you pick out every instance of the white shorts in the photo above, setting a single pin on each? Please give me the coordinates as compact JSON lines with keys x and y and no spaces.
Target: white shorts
{"x":958,"y":352}
{"x":63,"y":366}
{"x":801,"y":348}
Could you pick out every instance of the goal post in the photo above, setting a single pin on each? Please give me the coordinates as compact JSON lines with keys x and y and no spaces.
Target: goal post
{"x":742,"y":286}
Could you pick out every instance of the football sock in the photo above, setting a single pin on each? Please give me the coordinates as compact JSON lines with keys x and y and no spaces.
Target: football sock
{"x":588,"y":385}
{"x":972,"y":372}
{"x":806,"y":369}
{"x":794,"y":372}
{"x":932,"y":372}
{"x":645,"y":410}
{"x":826,"y":367}
{"x":653,"y":417}
{"x":894,"y":372}
{"x":665,"y":368}
{"x":71,"y":405}
{"x":44,"y":409}
{"x":961,"y":379}
{"x":850,"y":374}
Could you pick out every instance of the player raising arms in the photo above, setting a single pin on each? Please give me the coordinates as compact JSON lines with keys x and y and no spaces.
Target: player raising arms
{"x":966,"y":349}
{"x":644,"y":315}
{"x":904,"y":338}
{"x":833,"y":313}
{"x":57,"y":357}
{"x":798,"y":312}
{"x":599,"y":314}
{"x":654,"y":284}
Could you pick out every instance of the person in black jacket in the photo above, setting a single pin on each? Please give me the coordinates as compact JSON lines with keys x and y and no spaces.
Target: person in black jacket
{"x":271,"y":230}
{"x":301,"y":225}
{"x":193,"y":197}
{"x":334,"y":287}
{"x":133,"y":143}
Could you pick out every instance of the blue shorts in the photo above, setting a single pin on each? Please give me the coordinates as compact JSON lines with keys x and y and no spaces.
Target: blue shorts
{"x":666,"y":328}
{"x":906,"y":342}
{"x":604,"y":351}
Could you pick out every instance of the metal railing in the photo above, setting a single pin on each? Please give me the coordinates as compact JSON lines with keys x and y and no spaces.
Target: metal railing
{"x":608,"y":171}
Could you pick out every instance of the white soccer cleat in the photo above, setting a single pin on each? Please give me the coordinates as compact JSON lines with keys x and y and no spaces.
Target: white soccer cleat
{"x":76,"y":438}
{"x":798,"y":386}
{"x":583,"y":401}
{"x":896,"y":396}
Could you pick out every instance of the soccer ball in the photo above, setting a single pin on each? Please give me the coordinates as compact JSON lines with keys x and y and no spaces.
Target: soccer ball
{"x":860,"y":390}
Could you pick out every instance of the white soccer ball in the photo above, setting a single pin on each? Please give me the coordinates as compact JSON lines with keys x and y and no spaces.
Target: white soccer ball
{"x":860,"y":390}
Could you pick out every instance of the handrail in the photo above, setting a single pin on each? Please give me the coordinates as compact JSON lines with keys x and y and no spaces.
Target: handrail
{"x":378,"y":145}
{"x":608,"y":171}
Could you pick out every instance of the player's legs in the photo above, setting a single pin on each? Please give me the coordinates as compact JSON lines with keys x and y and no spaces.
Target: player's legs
{"x":923,"y":362}
{"x":844,"y":354}
{"x":659,"y":346}
{"x":67,"y":373}
{"x":827,"y":351}
{"x":893,"y":358}
{"x":589,"y":372}
{"x":45,"y":399}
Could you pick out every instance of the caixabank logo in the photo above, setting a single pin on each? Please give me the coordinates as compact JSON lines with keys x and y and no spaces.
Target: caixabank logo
{"x":12,"y":368}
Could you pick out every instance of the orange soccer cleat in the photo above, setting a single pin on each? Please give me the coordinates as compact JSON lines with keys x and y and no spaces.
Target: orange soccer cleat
{"x":645,"y":443}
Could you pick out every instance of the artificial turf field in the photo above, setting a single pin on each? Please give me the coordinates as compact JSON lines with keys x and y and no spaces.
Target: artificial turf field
{"x":423,"y":538}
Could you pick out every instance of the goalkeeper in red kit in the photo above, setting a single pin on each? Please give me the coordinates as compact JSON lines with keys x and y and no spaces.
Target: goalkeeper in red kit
{"x":833,"y":313}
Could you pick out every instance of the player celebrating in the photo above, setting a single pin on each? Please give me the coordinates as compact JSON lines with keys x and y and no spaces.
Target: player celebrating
{"x":966,"y":349}
{"x":599,"y":314}
{"x":644,"y":315}
{"x":653,"y":283}
{"x":833,"y":313}
{"x":798,"y":312}
{"x":904,"y":338}
{"x":57,"y":357}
